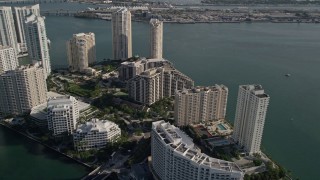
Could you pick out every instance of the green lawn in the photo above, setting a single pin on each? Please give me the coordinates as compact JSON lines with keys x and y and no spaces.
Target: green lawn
{"x":83,"y":90}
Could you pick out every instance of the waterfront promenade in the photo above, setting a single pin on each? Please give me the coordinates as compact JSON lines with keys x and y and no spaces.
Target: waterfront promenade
{"x":99,"y":172}
{"x":4,"y":124}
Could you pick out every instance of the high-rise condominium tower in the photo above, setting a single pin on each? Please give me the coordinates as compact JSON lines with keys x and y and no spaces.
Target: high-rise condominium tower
{"x":22,"y":89}
{"x":121,"y":34}
{"x":81,"y":51}
{"x":129,"y":69}
{"x":37,"y":42}
{"x":156,"y":38}
{"x":7,"y":30}
{"x":200,"y":104}
{"x":20,"y":16}
{"x":8,"y":59}
{"x":252,"y":105}
{"x":175,"y":156}
{"x":147,"y":87}
{"x":158,"y":82}
{"x":62,"y":113}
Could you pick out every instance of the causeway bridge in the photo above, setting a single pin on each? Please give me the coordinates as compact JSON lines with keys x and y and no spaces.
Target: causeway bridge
{"x":8,"y":2}
{"x":60,"y":12}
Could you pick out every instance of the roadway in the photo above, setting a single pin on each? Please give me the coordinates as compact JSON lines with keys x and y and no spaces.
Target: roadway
{"x":105,"y":170}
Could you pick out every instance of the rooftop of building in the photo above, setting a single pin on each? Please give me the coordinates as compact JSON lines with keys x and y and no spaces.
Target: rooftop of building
{"x":5,"y":8}
{"x":157,"y":60}
{"x":33,"y":18}
{"x":40,"y":112}
{"x":122,"y":9}
{"x":155,"y":22}
{"x":252,"y":87}
{"x":198,"y":89}
{"x":151,"y":72}
{"x":61,"y":100}
{"x":26,"y":67}
{"x":169,"y":69}
{"x":142,"y":60}
{"x":255,"y":89}
{"x":182,"y":144}
{"x":35,"y":6}
{"x":83,"y":34}
{"x":164,"y":64}
{"x":96,"y":125}
{"x":5,"y":47}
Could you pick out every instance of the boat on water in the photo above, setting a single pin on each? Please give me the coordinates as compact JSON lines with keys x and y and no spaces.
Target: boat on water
{"x":287,"y":75}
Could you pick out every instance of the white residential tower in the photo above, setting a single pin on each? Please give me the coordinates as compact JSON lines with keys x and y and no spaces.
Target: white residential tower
{"x":37,"y":41}
{"x":121,"y":34}
{"x":62,"y":113}
{"x":156,"y":38}
{"x":20,"y":14}
{"x":81,"y":51}
{"x":252,"y":105}
{"x":8,"y":59}
{"x":200,"y":104}
{"x":22,"y":89}
{"x":7,"y":30}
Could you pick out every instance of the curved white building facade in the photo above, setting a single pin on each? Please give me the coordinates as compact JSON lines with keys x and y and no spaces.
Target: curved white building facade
{"x":175,"y":157}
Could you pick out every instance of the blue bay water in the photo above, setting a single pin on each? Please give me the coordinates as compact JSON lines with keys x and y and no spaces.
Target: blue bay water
{"x":22,"y":158}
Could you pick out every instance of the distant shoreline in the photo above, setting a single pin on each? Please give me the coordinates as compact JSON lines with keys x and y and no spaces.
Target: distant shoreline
{"x":202,"y":3}
{"x":214,"y":22}
{"x":194,"y":13}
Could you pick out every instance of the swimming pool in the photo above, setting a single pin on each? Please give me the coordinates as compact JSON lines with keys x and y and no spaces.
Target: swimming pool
{"x":221,"y":127}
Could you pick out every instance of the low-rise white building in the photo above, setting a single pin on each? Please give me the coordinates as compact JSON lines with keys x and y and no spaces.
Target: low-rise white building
{"x":95,"y":134}
{"x":175,"y":156}
{"x":62,"y":113}
{"x":38,"y":114}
